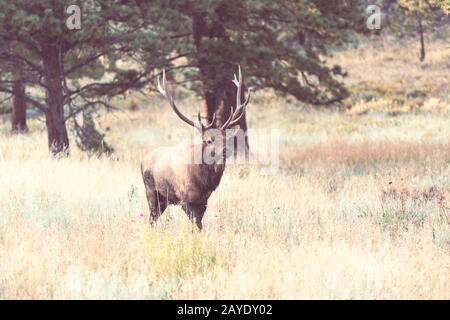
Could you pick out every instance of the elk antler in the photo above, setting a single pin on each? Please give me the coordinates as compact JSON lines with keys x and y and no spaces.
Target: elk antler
{"x":163,"y":90}
{"x":240,"y":108}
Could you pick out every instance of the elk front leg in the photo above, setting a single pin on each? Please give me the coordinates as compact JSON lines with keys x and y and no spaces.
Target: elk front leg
{"x":195,"y":212}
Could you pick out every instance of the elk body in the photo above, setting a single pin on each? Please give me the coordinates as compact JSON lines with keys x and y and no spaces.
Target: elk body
{"x":172,"y":177}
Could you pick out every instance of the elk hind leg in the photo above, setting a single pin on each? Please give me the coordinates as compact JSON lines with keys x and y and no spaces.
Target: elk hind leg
{"x":156,"y":203}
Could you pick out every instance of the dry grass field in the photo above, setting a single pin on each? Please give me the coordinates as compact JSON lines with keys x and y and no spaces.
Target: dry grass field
{"x":359,"y":208}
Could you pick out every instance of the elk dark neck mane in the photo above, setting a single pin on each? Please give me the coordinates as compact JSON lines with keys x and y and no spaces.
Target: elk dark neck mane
{"x":211,"y":176}
{"x":206,"y":177}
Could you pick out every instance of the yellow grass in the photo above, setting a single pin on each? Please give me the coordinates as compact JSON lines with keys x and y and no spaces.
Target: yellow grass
{"x":360,"y":208}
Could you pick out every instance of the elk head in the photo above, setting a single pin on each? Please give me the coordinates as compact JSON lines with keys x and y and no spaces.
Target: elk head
{"x":214,"y":138}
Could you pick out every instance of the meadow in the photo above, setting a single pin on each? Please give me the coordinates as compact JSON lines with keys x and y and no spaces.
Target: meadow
{"x":359,"y":208}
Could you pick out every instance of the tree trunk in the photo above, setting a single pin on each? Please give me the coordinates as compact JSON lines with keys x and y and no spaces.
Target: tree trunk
{"x":422,"y":40}
{"x":58,"y":140}
{"x":218,"y":89}
{"x":19,"y":107}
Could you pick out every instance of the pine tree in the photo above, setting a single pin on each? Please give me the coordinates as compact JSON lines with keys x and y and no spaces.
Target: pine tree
{"x":70,"y":70}
{"x":418,"y":17}
{"x":19,"y":104}
{"x":13,"y":75}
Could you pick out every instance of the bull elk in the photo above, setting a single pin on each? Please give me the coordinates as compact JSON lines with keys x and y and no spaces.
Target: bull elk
{"x":171,"y":177}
